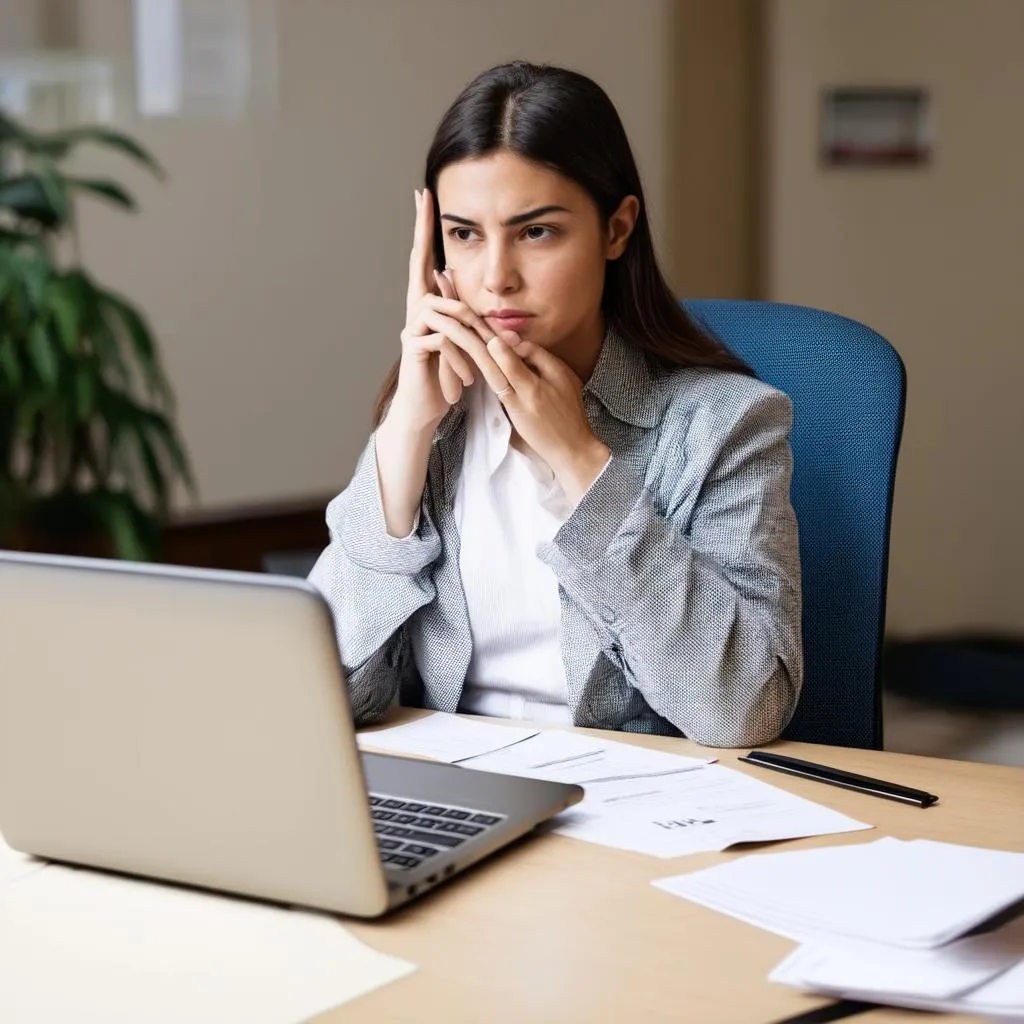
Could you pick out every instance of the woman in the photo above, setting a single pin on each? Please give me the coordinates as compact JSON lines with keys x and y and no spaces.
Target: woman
{"x":575,"y":506}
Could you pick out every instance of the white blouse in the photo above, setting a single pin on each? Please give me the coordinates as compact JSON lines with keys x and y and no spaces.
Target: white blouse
{"x":506,"y":504}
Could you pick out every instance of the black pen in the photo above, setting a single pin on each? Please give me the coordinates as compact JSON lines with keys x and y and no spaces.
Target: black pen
{"x":837,"y":777}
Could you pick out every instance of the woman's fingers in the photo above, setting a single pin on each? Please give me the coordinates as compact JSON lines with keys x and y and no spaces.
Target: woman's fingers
{"x":451,"y":383}
{"x":421,"y":258}
{"x":515,"y":371}
{"x":470,"y":342}
{"x":460,"y":364}
{"x":445,"y":286}
{"x":457,"y":309}
{"x":457,"y":362}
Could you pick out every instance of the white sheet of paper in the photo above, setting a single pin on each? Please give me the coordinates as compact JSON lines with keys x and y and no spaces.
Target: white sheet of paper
{"x":15,"y":865}
{"x":817,"y":968}
{"x":661,"y":804}
{"x":943,"y":973}
{"x":705,"y":811}
{"x":443,"y":737}
{"x":560,"y":756}
{"x":78,"y":945}
{"x":916,"y":895}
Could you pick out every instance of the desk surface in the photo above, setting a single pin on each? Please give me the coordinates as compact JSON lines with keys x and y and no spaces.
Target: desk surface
{"x":555,"y":929}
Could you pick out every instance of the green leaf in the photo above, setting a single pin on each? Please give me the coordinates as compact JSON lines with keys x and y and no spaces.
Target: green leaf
{"x":154,"y":472}
{"x":61,"y":301}
{"x":40,"y":348}
{"x":9,"y":128}
{"x":34,"y":272}
{"x":55,"y":188}
{"x":107,"y":189}
{"x":165,"y":431}
{"x":58,"y":144}
{"x":10,"y":364}
{"x":127,"y":542}
{"x":133,"y":532}
{"x":93,"y":328}
{"x":116,"y":309}
{"x":12,"y":238}
{"x":26,"y":196}
{"x":85,"y":393}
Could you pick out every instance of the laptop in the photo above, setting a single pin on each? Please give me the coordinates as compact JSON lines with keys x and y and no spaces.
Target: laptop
{"x":194,"y":726}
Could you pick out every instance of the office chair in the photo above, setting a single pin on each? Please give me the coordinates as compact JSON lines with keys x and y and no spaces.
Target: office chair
{"x":848,"y":388}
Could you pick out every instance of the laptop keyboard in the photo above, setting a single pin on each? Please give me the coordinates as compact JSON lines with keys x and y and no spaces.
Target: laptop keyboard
{"x":410,"y":831}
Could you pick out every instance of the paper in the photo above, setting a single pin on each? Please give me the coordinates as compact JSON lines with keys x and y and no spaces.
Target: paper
{"x":705,"y":812}
{"x":664,"y":805}
{"x":83,"y":946}
{"x":560,"y":756}
{"x":944,"y":973}
{"x":15,"y":865}
{"x":820,"y":970}
{"x":443,"y":737}
{"x":915,"y":895}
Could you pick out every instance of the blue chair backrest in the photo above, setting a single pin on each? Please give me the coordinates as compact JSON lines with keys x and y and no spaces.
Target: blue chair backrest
{"x":848,"y":388}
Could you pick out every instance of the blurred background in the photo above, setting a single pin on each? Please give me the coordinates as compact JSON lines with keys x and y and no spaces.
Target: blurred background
{"x":861,"y":156}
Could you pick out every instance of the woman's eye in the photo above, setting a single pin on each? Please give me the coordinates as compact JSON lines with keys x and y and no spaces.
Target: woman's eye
{"x":536,"y":232}
{"x":461,"y":234}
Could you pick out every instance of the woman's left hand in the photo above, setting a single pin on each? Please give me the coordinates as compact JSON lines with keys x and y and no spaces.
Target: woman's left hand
{"x":543,"y":399}
{"x":545,"y":405}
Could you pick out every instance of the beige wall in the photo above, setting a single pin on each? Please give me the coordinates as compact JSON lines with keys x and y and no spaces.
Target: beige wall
{"x":932,"y":259}
{"x":714,"y":147}
{"x":273,"y":261}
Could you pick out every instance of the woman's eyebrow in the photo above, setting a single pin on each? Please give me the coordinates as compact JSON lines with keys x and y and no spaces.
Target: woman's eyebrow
{"x":519,"y":218}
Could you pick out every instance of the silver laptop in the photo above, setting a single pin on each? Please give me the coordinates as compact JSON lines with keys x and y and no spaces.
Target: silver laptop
{"x":194,"y":726}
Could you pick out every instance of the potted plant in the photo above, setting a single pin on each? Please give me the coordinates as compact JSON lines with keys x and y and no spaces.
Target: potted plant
{"x":89,"y":453}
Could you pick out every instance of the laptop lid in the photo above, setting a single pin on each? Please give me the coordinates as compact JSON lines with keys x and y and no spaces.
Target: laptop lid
{"x":184,"y":724}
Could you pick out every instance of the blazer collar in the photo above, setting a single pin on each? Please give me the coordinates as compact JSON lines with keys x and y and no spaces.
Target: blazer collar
{"x":625,"y":384}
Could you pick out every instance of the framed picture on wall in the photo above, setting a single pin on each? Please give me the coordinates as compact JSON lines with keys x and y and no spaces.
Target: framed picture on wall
{"x":875,"y":127}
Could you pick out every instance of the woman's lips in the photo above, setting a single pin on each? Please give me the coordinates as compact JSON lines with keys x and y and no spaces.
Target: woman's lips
{"x":512,"y":322}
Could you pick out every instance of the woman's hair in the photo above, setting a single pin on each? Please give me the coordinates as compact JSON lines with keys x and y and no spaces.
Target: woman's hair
{"x":566,"y":121}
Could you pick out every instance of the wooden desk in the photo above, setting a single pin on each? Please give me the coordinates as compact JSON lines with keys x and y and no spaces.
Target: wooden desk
{"x":556,"y":929}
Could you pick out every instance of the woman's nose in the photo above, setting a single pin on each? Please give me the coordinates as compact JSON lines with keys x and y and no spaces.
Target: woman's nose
{"x":501,"y":275}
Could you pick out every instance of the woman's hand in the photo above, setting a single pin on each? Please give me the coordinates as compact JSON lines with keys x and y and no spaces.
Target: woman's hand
{"x":541,"y":394}
{"x":432,"y":371}
{"x":545,"y":405}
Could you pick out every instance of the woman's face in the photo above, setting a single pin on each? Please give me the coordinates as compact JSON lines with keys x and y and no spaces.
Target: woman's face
{"x":528,"y":251}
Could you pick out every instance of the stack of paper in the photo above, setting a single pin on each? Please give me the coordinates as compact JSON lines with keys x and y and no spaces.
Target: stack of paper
{"x":880,"y":921}
{"x":443,"y":737}
{"x":979,"y":975}
{"x":660,"y":804}
{"x":78,"y":945}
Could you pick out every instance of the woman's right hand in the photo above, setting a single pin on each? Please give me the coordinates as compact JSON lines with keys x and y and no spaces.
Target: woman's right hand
{"x":433,"y":370}
{"x":431,"y":375}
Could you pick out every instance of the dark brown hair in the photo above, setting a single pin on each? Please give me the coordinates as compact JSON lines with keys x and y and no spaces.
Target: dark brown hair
{"x":566,"y":121}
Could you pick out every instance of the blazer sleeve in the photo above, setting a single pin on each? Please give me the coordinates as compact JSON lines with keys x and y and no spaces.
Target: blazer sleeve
{"x":374,"y":583}
{"x":699,"y":602}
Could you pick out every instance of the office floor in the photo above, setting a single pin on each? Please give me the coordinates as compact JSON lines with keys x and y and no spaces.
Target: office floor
{"x":993,"y":737}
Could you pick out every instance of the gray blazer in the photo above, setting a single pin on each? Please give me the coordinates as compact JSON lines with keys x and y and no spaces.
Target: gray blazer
{"x":678,"y":572}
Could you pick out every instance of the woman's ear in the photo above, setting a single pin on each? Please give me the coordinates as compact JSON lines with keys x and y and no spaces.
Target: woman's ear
{"x":620,"y":227}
